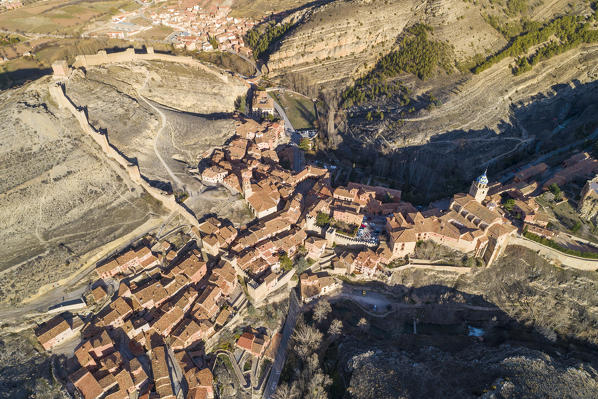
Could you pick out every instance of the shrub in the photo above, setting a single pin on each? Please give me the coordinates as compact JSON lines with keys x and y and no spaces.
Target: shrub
{"x":305,"y":144}
{"x":286,"y":263}
{"x":509,"y":204}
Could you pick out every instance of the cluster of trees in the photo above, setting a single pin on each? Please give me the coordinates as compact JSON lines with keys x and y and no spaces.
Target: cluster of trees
{"x":570,"y":31}
{"x":417,"y":54}
{"x":260,"y":42}
{"x":309,"y":380}
{"x":556,"y":191}
{"x":371,"y":87}
{"x":559,"y":247}
{"x":509,"y":204}
{"x":322,"y":219}
{"x":286,"y":263}
{"x":512,"y":29}
{"x":305,"y":144}
{"x":213,"y":42}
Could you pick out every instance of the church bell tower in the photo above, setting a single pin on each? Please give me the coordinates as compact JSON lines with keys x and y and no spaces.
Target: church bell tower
{"x":479,"y":188}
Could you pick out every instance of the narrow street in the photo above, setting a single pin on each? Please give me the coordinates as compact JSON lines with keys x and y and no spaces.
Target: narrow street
{"x":281,"y":355}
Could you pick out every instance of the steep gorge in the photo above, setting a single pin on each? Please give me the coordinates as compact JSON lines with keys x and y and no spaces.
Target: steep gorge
{"x":492,"y":119}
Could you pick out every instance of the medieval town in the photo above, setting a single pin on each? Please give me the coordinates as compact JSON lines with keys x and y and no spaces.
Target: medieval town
{"x":159,"y":311}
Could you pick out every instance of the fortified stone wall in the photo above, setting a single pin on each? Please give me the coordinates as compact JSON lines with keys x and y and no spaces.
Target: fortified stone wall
{"x":129,"y":55}
{"x":554,"y":255}
{"x":168,"y":201}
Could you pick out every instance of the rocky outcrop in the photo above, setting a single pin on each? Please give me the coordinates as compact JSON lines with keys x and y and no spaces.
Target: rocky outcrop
{"x":336,"y":41}
{"x":333,"y":43}
{"x":507,"y":372}
{"x":588,"y":203}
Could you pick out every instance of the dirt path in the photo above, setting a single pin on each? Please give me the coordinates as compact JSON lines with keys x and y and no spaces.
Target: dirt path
{"x":163,"y":124}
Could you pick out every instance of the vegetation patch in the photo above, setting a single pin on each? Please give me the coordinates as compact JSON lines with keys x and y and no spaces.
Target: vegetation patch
{"x":300,"y":110}
{"x":558,"y":247}
{"x":261,"y":38}
{"x":561,"y":34}
{"x":417,"y":54}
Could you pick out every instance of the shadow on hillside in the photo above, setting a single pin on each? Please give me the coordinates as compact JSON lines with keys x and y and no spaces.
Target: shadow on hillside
{"x":448,"y":340}
{"x":9,"y":80}
{"x":450,"y":160}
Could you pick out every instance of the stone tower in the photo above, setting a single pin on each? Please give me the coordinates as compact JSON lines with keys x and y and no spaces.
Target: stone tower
{"x":246,"y":182}
{"x":479,"y":188}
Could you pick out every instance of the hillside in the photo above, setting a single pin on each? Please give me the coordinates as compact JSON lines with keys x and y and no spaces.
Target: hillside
{"x":164,"y":117}
{"x":384,"y":89}
{"x":60,"y":198}
{"x":535,"y":326}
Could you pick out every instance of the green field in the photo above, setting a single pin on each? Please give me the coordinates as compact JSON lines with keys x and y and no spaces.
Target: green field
{"x":300,"y":110}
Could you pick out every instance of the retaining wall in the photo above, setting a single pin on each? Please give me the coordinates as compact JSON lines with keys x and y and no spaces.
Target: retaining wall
{"x":552,"y":254}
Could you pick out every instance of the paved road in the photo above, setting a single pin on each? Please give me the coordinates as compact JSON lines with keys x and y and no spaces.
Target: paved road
{"x":71,"y":289}
{"x":281,"y":355}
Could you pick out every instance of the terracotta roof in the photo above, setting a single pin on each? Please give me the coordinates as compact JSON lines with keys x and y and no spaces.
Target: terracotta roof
{"x":86,"y":384}
{"x":98,"y":293}
{"x":51,"y":329}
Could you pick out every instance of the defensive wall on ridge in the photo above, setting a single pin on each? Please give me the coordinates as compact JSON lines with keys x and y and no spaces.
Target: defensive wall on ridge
{"x":129,"y":55}
{"x":168,"y":201}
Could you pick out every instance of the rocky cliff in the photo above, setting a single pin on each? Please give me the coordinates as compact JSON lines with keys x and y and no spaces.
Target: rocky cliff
{"x":453,"y":124}
{"x":588,"y":203}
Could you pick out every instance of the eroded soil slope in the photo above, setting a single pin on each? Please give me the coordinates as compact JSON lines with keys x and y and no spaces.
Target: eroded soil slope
{"x":59,"y":196}
{"x":521,"y":328}
{"x":164,"y":117}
